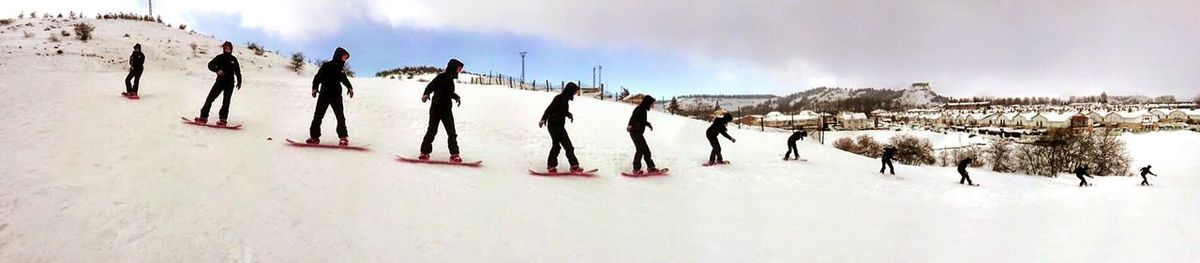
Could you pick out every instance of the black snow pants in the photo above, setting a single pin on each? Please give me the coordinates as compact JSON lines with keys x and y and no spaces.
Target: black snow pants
{"x":325,"y":101}
{"x":560,"y":141}
{"x":446,"y":118}
{"x":643,"y":151}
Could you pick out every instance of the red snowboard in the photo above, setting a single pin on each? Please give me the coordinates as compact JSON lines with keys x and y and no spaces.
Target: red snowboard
{"x":432,"y":161}
{"x":587,"y":173}
{"x":660,"y":172}
{"x":134,"y":97}
{"x":713,"y":164}
{"x":331,"y":146}
{"x":231,"y":127}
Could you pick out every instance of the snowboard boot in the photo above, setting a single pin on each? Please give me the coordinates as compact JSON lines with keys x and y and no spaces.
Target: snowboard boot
{"x":200,"y":120}
{"x":552,"y":170}
{"x":222,"y":123}
{"x":576,"y":169}
{"x":313,"y":141}
{"x":344,"y":142}
{"x":653,"y":171}
{"x":455,"y":159}
{"x":423,"y":157}
{"x":638,"y":172}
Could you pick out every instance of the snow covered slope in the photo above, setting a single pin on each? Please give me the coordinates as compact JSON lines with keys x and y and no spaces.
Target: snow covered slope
{"x":88,"y":176}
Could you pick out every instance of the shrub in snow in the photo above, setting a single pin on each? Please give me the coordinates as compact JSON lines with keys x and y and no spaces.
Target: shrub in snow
{"x":258,"y":50}
{"x":911,"y":150}
{"x":845,"y":144}
{"x":869,"y":147}
{"x":297,"y":63}
{"x":5,"y":22}
{"x":65,"y":33}
{"x":83,"y":31}
{"x":1000,"y":154}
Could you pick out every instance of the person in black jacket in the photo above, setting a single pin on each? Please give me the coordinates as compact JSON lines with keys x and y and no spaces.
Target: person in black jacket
{"x":134,"y":79}
{"x":228,"y":70}
{"x":1144,"y":172}
{"x":442,"y":88}
{"x":799,"y":134}
{"x":888,"y":154}
{"x":1080,"y":172}
{"x":637,"y":126}
{"x":330,"y":79}
{"x":554,"y":118}
{"x":962,"y":170}
{"x":718,"y":127}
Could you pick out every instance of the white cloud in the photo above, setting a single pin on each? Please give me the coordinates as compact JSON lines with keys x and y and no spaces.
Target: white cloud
{"x":965,"y":46}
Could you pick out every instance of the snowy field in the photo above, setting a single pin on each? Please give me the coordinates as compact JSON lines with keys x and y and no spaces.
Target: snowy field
{"x":88,"y":176}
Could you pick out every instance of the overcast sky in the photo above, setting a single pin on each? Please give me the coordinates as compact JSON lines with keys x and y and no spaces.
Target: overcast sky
{"x":965,"y":48}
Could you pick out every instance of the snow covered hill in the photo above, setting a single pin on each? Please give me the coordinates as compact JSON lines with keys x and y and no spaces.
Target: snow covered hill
{"x":88,"y":176}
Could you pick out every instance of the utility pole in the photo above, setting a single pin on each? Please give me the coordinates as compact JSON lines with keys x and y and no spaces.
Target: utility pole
{"x":151,"y":2}
{"x":593,"y":77}
{"x":600,"y":76}
{"x":523,"y":66}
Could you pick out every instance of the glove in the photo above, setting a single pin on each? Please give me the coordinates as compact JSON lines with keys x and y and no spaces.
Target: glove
{"x":424,"y":98}
{"x":350,"y":92}
{"x":541,"y":123}
{"x":314,"y":93}
{"x":733,"y":140}
{"x":459,"y":101}
{"x":629,"y":128}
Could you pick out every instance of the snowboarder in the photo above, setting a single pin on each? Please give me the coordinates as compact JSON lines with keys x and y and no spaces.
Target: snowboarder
{"x":889,"y":152}
{"x":1144,"y":171}
{"x":718,"y":127}
{"x":554,"y":118}
{"x":330,"y":79}
{"x":1080,"y":172}
{"x":637,"y":126}
{"x":227,"y":68}
{"x":796,"y":136}
{"x":442,"y":88}
{"x":962,"y":170}
{"x":134,"y":79}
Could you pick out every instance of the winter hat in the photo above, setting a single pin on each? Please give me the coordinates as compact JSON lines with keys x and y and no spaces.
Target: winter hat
{"x":137,"y":46}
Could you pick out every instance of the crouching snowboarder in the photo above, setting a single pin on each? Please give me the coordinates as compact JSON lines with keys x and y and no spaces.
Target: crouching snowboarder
{"x":718,"y":128}
{"x":962,"y":170}
{"x":1080,"y":172}
{"x":1144,"y":172}
{"x":791,"y":143}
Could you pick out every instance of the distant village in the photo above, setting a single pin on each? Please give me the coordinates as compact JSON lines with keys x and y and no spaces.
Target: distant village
{"x":981,"y":117}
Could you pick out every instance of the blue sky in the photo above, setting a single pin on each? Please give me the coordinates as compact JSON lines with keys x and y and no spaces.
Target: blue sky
{"x":375,"y":46}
